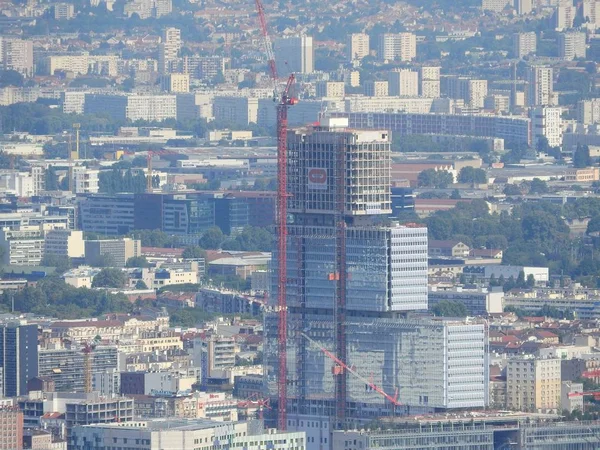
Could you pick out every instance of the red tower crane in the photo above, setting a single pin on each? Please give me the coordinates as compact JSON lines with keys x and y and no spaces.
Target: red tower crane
{"x":284,"y":101}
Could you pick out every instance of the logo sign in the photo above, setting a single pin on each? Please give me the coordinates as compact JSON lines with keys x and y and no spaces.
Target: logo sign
{"x":317,"y":178}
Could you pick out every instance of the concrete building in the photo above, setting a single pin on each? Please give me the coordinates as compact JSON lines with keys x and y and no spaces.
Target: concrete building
{"x":398,"y":46}
{"x":85,"y":180}
{"x":564,"y":15}
{"x":540,"y":89}
{"x":153,"y":108}
{"x":377,"y":88}
{"x":357,"y":46}
{"x":11,"y":428}
{"x":65,"y":243}
{"x":571,"y":45}
{"x":495,"y":5}
{"x":108,"y":215}
{"x":117,"y":251}
{"x":533,"y":385}
{"x":479,"y":302}
{"x":239,"y":111}
{"x":176,"y":82}
{"x":168,"y":49}
{"x":333,"y":89}
{"x":294,"y":54}
{"x":569,"y":398}
{"x":525,"y":44}
{"x":22,"y":246}
{"x":64,"y":11}
{"x":18,"y":357}
{"x":429,"y":78}
{"x":523,"y":7}
{"x":591,"y":11}
{"x":588,"y":111}
{"x":403,"y":82}
{"x":485,"y":272}
{"x":17,"y":55}
{"x":547,"y":122}
{"x":181,"y":434}
{"x":472,"y":92}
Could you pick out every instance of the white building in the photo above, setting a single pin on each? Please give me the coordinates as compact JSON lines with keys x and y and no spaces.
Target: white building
{"x":64,"y":11}
{"x":571,"y":45}
{"x":73,"y":102}
{"x":17,"y":54}
{"x":525,"y":44}
{"x":523,"y":7}
{"x":182,"y":434}
{"x":294,"y":55}
{"x":564,"y":16}
{"x":236,"y":110}
{"x":66,"y":243}
{"x":78,"y":63}
{"x":168,"y":49}
{"x":588,"y":111}
{"x":403,"y":82}
{"x":20,"y":184}
{"x":547,"y":122}
{"x":495,"y":5}
{"x":332,"y":89}
{"x":376,"y":89}
{"x":22,"y":246}
{"x":399,"y":46}
{"x":540,"y":89}
{"x":429,"y":77}
{"x":591,"y":11}
{"x":357,"y":46}
{"x":85,"y":180}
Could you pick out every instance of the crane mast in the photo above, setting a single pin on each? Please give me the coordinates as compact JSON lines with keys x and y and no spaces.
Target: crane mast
{"x":284,"y":100}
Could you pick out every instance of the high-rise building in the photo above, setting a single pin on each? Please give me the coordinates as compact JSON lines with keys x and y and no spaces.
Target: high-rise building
{"x":332,"y":89}
{"x":403,"y":82}
{"x":350,"y":279}
{"x":168,"y":49}
{"x":533,"y":385}
{"x":547,"y":122}
{"x":591,"y":11}
{"x":429,"y":77}
{"x":376,"y":88}
{"x":399,"y":46}
{"x":176,"y":82}
{"x":495,"y":5}
{"x":18,"y":357}
{"x":473,"y":92}
{"x":294,"y":55}
{"x":571,"y":45}
{"x":540,"y":89}
{"x":11,"y":428}
{"x":523,"y":7}
{"x":64,"y":11}
{"x":357,"y":46}
{"x":564,"y":16}
{"x":525,"y":44}
{"x":17,"y":55}
{"x":588,"y":111}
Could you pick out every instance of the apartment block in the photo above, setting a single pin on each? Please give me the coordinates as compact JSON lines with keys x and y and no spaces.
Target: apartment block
{"x":473,"y":92}
{"x":398,"y":46}
{"x":17,"y":55}
{"x":85,"y":180}
{"x":118,"y":251}
{"x":376,"y":88}
{"x":540,"y":88}
{"x":18,"y":357}
{"x":591,"y":10}
{"x":564,"y":15}
{"x":331,"y":89}
{"x":547,"y":122}
{"x":294,"y":54}
{"x":22,"y":246}
{"x":64,"y":11}
{"x":65,"y":243}
{"x":168,"y":49}
{"x":11,"y":428}
{"x":571,"y":45}
{"x":176,"y":82}
{"x":523,"y":7}
{"x":239,"y":111}
{"x":533,"y":384}
{"x":77,"y":63}
{"x":525,"y":44}
{"x":403,"y":82}
{"x":495,"y":5}
{"x":155,"y":108}
{"x":357,"y":46}
{"x":429,"y":77}
{"x":588,"y":111}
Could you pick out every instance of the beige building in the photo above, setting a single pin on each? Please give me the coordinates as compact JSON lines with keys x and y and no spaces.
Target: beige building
{"x":398,"y":46}
{"x":533,"y":385}
{"x":377,"y":88}
{"x":168,"y":49}
{"x":77,"y":63}
{"x":429,"y":78}
{"x":117,"y":251}
{"x":403,"y":82}
{"x":334,"y":89}
{"x":22,"y":246}
{"x":17,"y":54}
{"x":357,"y":46}
{"x":66,"y":243}
{"x":571,"y":45}
{"x":176,"y":82}
{"x":525,"y":44}
{"x":588,"y":174}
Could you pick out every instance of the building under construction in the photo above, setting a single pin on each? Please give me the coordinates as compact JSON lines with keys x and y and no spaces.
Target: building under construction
{"x":352,"y":276}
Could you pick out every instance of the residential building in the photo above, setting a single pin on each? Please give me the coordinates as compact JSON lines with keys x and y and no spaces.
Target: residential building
{"x":564,"y":15}
{"x":429,"y":77}
{"x":403,"y":82}
{"x":185,"y":434}
{"x":294,"y":54}
{"x":116,"y":251}
{"x":11,"y":428}
{"x":377,"y":88}
{"x":571,"y":45}
{"x":168,"y":49}
{"x":22,"y":246}
{"x":448,"y":248}
{"x":473,"y":92}
{"x":547,"y":122}
{"x":98,"y":410}
{"x":569,"y":398}
{"x":333,"y":89}
{"x":495,"y":5}
{"x":399,"y":46}
{"x":479,"y":302}
{"x":85,"y":180}
{"x":76,"y":62}
{"x":591,"y":11}
{"x":17,"y":55}
{"x":533,"y":384}
{"x":540,"y":89}
{"x":523,"y":7}
{"x":588,"y":111}
{"x":154,"y":108}
{"x":64,"y":243}
{"x":239,"y":111}
{"x":525,"y":44}
{"x":18,"y":357}
{"x":357,"y":46}
{"x":64,"y":11}
{"x":176,"y":82}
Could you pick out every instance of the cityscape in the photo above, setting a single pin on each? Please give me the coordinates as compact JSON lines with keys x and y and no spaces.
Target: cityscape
{"x":300,"y":225}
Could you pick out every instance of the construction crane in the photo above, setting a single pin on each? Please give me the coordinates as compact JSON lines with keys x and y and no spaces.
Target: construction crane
{"x":149,"y":186}
{"x":87,"y":367}
{"x":595,"y":394}
{"x":284,"y":100}
{"x":342,"y":367}
{"x":255,"y":402}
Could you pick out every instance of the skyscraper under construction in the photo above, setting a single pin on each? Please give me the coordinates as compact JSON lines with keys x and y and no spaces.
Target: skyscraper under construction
{"x":352,"y":277}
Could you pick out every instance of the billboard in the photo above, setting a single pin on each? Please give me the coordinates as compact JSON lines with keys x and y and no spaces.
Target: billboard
{"x":317,"y":178}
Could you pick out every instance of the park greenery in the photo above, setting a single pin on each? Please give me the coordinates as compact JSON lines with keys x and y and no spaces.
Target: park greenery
{"x":439,"y":179}
{"x":447,"y":308}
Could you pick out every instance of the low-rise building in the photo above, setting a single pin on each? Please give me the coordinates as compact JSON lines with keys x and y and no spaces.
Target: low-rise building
{"x":65,"y":243}
{"x":477,"y":301}
{"x":116,"y":251}
{"x":22,"y":246}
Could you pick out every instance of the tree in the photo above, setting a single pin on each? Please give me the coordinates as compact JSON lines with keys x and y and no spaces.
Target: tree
{"x":137,"y":261}
{"x":103,"y":260}
{"x":194,"y":252}
{"x":512,"y":189}
{"x":439,"y":179}
{"x":141,"y":285}
{"x":51,"y":179}
{"x":111,"y":278}
{"x":250,"y":239}
{"x":530,"y":280}
{"x":11,"y":78}
{"x":472,"y":175}
{"x":447,"y":308}
{"x":212,"y":238}
{"x":538,"y":186}
{"x":581,"y":157}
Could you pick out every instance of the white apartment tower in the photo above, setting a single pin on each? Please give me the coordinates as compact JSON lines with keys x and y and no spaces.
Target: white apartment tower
{"x":357,"y":46}
{"x":525,"y":44}
{"x":571,"y":45}
{"x":294,"y":55}
{"x":591,"y":11}
{"x":429,"y":77}
{"x":403,"y":82}
{"x":495,"y":5}
{"x":376,"y":88}
{"x":400,"y":46}
{"x":17,"y":55}
{"x":564,"y":16}
{"x":168,"y":49}
{"x":523,"y":7}
{"x":540,"y":89}
{"x":546,"y":122}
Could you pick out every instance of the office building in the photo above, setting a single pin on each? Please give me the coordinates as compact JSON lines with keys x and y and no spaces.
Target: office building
{"x":495,"y":5}
{"x":18,"y":357}
{"x":115,"y":252}
{"x":571,"y":45}
{"x":11,"y":428}
{"x":547,"y":122}
{"x":17,"y":55}
{"x":525,"y":44}
{"x":22,"y":246}
{"x":429,"y":77}
{"x":168,"y":49}
{"x":376,"y":88}
{"x":357,"y":46}
{"x":384,"y":269}
{"x":96,"y":409}
{"x":403,"y":82}
{"x":64,"y":243}
{"x":185,"y":434}
{"x":540,"y":89}
{"x":397,"y":46}
{"x":330,"y":89}
{"x":523,"y":7}
{"x":294,"y":54}
{"x":564,"y":15}
{"x":533,"y":384}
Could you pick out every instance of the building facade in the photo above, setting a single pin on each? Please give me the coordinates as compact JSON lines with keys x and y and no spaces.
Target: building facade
{"x":18,"y":357}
